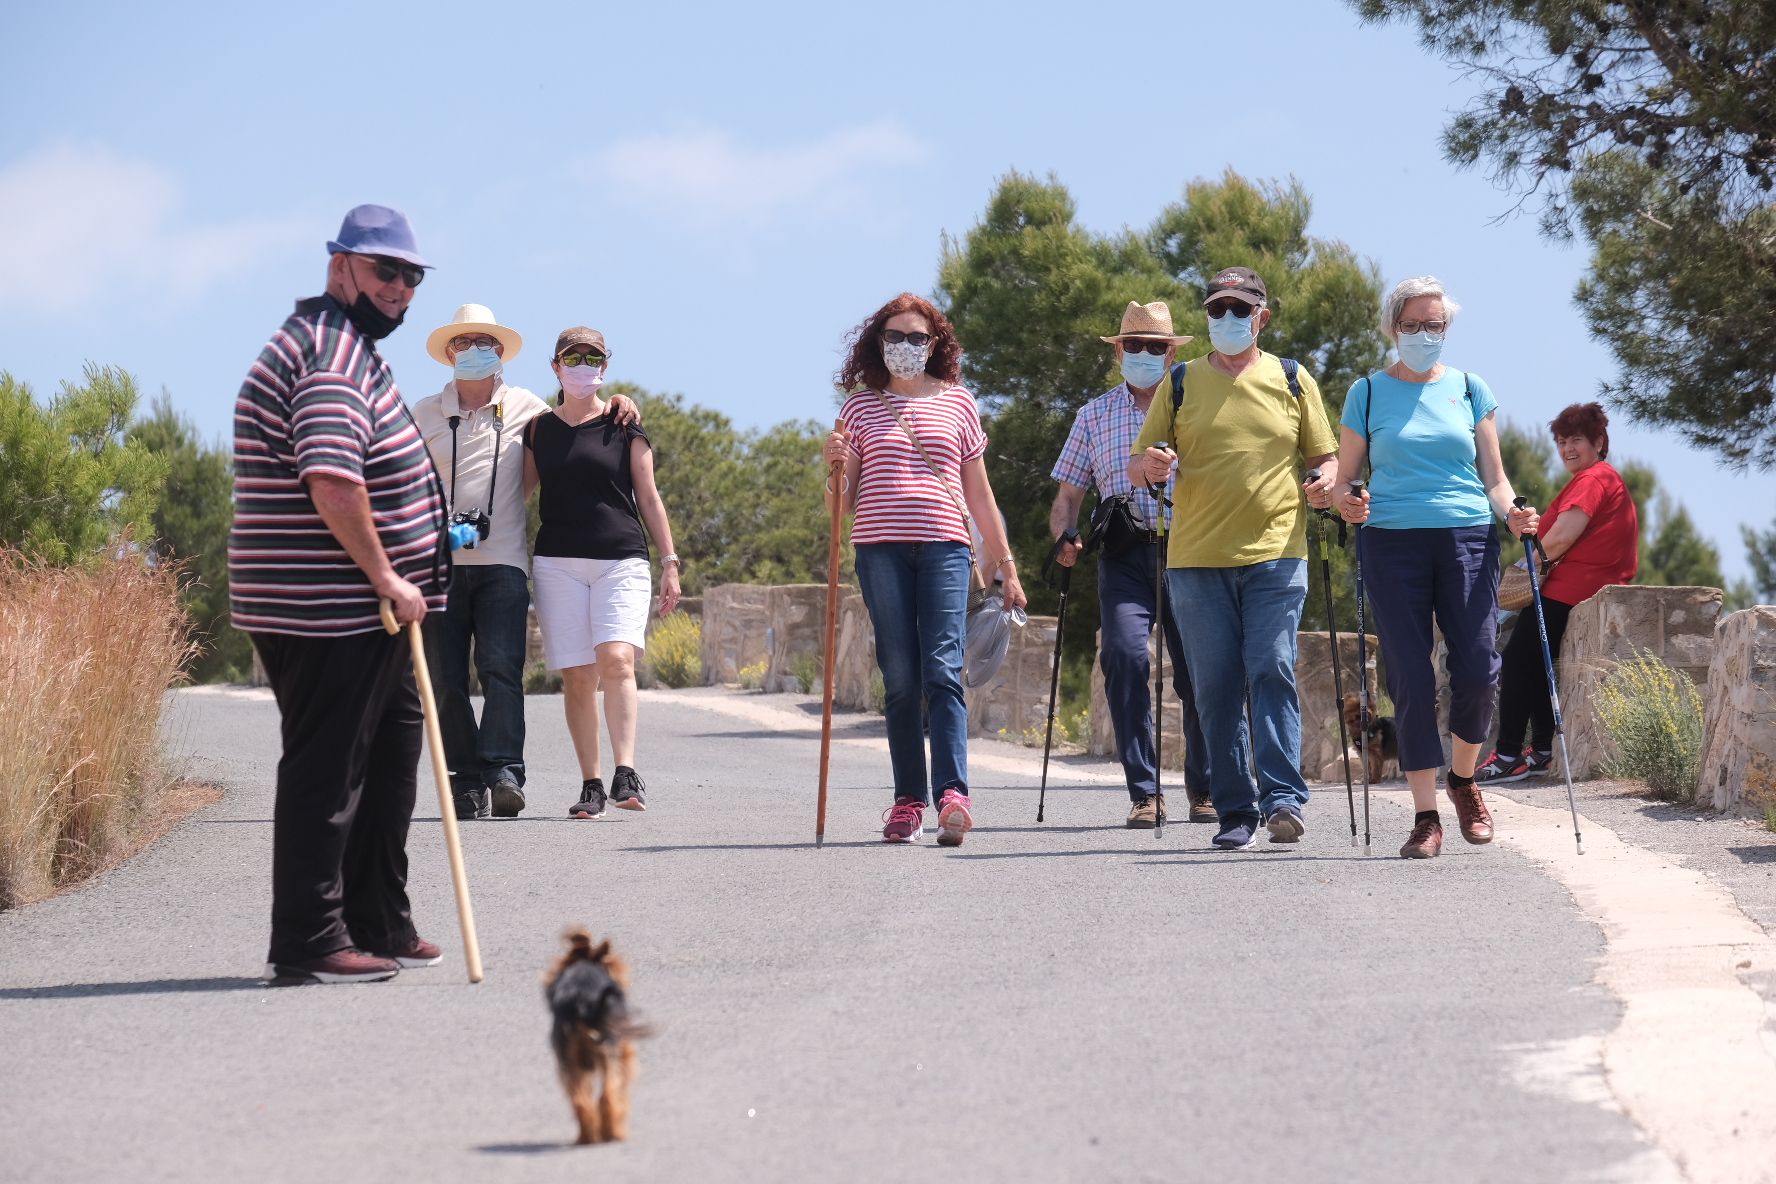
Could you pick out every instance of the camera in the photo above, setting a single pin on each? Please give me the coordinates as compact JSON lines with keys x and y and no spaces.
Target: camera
{"x":469,"y":528}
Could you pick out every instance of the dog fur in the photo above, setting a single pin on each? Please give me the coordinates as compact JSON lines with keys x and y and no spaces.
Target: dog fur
{"x":593,"y":1035}
{"x":1381,"y":742}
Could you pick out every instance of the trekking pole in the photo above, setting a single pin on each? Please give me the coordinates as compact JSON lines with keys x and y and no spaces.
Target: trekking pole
{"x":1324,"y":531}
{"x":422,"y":675}
{"x":1356,"y":488}
{"x":1054,"y":679}
{"x":1532,"y":546}
{"x":833,"y":479}
{"x":1159,"y":647}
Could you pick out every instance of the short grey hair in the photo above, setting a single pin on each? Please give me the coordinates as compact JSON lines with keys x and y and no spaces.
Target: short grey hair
{"x":1411,"y":289}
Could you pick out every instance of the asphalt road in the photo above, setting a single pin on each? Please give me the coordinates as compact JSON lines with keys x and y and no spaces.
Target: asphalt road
{"x":1066,"y":1002}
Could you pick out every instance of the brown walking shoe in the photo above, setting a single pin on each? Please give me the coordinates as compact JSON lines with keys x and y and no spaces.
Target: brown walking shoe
{"x":1202,"y":810}
{"x":1470,"y":811}
{"x":1148,"y":812}
{"x":1426,"y":839}
{"x":341,"y":966}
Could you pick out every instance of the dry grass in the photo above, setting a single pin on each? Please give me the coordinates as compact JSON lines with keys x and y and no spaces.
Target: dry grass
{"x":86,"y":655}
{"x":1653,"y":717}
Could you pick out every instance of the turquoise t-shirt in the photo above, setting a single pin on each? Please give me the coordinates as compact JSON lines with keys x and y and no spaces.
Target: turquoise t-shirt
{"x":1421,"y":448}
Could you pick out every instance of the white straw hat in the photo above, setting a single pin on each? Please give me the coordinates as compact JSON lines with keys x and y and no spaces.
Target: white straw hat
{"x":472,"y":319}
{"x":1149,"y":321}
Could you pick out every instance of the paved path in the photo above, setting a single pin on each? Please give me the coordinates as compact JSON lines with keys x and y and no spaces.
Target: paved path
{"x":1066,"y":1002}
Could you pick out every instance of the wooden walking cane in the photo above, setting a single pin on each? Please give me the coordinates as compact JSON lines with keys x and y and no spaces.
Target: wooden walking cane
{"x":834,"y":481}
{"x":422,"y":675}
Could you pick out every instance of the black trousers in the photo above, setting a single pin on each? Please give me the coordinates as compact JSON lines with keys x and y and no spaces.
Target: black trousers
{"x":352,"y":729}
{"x":1523,"y":680}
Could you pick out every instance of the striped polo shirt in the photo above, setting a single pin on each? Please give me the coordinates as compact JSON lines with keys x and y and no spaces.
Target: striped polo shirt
{"x":1098,"y":446}
{"x":898,"y":497}
{"x":320,"y":400}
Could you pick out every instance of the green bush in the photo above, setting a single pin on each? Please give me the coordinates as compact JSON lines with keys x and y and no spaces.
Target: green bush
{"x":878,"y":693}
{"x":807,"y":672}
{"x":1653,"y":717}
{"x":675,"y":651}
{"x":540,"y":680}
{"x":752,"y":678}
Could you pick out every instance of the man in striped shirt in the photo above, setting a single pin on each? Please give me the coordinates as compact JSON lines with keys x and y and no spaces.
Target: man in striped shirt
{"x":337,"y":507}
{"x":1096,"y":456}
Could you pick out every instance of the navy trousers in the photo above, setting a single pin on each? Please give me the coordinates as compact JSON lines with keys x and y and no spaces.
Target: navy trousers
{"x":1125,"y":615}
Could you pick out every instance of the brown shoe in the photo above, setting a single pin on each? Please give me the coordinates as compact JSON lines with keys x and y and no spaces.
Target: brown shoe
{"x":1470,"y":811}
{"x":1425,"y":841}
{"x":341,"y":966}
{"x":1148,"y":812}
{"x":1201,"y":809}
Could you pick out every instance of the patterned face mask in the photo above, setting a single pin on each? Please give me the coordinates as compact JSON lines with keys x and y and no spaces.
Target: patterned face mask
{"x":904,"y":359}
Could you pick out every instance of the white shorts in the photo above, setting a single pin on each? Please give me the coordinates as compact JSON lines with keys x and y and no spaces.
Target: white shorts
{"x":584,"y":603}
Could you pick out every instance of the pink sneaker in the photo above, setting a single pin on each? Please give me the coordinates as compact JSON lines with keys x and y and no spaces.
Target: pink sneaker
{"x":954,"y":818}
{"x":903,"y":821}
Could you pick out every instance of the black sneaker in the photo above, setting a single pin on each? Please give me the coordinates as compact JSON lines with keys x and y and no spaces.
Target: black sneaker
{"x":591,"y":803}
{"x":1285,"y":825}
{"x":627,"y":791}
{"x":1237,"y":834}
{"x":1503,"y":767}
{"x":508,"y":797}
{"x":472,"y":803}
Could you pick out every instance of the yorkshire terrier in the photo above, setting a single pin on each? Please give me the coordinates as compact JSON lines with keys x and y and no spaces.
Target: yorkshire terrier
{"x":593,"y":1035}
{"x":1381,"y":743}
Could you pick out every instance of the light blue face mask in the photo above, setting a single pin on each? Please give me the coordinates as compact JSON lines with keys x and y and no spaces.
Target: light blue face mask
{"x":1420,"y":351}
{"x":1232,"y":335}
{"x":1142,"y":370}
{"x":476,"y":362}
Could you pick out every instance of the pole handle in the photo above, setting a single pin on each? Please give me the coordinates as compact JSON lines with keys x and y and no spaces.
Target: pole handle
{"x":387,"y":608}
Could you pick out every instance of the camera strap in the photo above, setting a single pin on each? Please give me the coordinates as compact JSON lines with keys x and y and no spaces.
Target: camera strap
{"x":499,"y":428}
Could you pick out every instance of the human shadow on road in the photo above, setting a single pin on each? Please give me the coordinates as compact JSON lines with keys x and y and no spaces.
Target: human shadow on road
{"x":1178,"y":854}
{"x":153,"y":986}
{"x":539,"y":1147}
{"x":668,"y":849}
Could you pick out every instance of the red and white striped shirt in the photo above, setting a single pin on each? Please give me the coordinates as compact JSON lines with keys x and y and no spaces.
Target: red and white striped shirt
{"x":899,"y":500}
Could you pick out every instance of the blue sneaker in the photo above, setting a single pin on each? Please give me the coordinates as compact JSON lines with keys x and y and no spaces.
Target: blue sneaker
{"x":1285,"y":825}
{"x":1238,"y":834}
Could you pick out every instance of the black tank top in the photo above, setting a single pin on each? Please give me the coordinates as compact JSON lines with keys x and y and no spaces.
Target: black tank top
{"x":588,"y":500}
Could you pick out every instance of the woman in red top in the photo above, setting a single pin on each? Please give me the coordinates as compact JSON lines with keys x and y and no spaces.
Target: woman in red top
{"x":913,"y":475}
{"x":1591,"y":528}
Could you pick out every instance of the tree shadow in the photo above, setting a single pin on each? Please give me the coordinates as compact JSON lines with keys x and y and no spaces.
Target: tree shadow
{"x":155,"y":986}
{"x":1754,"y":854}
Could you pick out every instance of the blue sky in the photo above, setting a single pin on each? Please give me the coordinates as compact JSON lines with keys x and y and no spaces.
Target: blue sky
{"x":723,"y":189}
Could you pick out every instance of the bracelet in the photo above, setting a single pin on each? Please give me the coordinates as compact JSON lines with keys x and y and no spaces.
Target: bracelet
{"x":1002,"y":562}
{"x":844,"y":484}
{"x":665,"y":559}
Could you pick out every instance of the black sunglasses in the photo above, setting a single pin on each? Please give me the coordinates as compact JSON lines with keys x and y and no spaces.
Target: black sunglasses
{"x":1222,"y":307}
{"x":585,"y":359}
{"x":895,"y":337}
{"x":388,"y":270}
{"x":1157,"y":348}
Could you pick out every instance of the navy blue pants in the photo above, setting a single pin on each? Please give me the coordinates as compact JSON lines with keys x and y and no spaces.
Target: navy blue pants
{"x":1125,"y":615}
{"x":1409,"y":578}
{"x":489,"y":605}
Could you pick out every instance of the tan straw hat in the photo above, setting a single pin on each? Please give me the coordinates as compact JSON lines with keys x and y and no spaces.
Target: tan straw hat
{"x":1152,"y":321}
{"x":470,"y":320}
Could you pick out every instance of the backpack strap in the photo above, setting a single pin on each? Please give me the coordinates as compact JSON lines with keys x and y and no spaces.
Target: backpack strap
{"x":1178,"y":387}
{"x":1291,"y":371}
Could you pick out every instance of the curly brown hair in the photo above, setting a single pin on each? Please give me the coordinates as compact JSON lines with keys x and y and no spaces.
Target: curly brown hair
{"x":864,"y":368}
{"x":1584,"y":419}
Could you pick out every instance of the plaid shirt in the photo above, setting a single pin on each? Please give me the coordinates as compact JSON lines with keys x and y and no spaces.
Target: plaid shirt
{"x":1099,"y":446}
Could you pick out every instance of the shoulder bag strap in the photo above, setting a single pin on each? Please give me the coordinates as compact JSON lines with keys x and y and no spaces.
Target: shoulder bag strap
{"x":961,"y":506}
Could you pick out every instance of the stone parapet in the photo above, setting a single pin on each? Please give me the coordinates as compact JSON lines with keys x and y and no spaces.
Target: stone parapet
{"x":1016,"y":700}
{"x":1675,"y":625}
{"x":1739,"y":728}
{"x":795,"y":634}
{"x":736,"y":629}
{"x":857,"y":656}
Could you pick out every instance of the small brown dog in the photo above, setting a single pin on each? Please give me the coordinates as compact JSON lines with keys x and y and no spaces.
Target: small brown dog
{"x":1381,"y":743}
{"x":593,"y":1035}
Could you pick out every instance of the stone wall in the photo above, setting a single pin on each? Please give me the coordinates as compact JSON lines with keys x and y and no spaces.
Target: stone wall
{"x":1739,"y":729}
{"x":736,"y":629}
{"x":857,"y":656}
{"x":795,"y":634}
{"x":1676,"y":625}
{"x":1016,"y":701}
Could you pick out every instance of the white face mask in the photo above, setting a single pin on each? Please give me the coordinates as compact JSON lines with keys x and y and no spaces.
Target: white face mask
{"x":581,"y":382}
{"x":904,"y":359}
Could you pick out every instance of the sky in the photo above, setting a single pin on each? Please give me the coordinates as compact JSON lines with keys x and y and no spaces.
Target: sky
{"x":723,"y":189}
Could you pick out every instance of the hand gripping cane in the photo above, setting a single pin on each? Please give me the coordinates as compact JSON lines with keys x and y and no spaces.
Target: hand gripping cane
{"x":833,"y":479}
{"x":1532,"y":546}
{"x":1356,"y":488}
{"x":1332,"y":632}
{"x":1159,"y":650}
{"x":1054,"y":677}
{"x":422,"y":675}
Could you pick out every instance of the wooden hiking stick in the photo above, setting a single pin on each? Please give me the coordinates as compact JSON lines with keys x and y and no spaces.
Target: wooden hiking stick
{"x":435,"y":742}
{"x":834,"y":481}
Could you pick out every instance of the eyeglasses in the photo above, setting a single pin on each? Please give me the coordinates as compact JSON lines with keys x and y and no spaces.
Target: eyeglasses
{"x":1157,"y":348}
{"x":1434,"y":327}
{"x":388,"y":270}
{"x":1222,"y":307}
{"x":895,"y":337}
{"x":481,"y":342}
{"x":587,"y":359}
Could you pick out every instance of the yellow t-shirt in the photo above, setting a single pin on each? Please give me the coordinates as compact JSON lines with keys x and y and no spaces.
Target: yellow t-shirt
{"x":1238,"y":493}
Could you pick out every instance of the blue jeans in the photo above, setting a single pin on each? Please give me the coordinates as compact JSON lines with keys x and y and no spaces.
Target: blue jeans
{"x":488,"y":605}
{"x":1125,"y":617}
{"x":917,"y":596}
{"x":1239,"y":628}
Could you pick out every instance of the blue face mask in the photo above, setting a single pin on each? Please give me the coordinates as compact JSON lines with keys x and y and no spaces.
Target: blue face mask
{"x":1231,"y":334}
{"x":1419,"y":351}
{"x":1143,"y":370}
{"x":477,"y":362}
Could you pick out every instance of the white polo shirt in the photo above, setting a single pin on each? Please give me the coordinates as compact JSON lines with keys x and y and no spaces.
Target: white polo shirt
{"x":509,"y":410}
